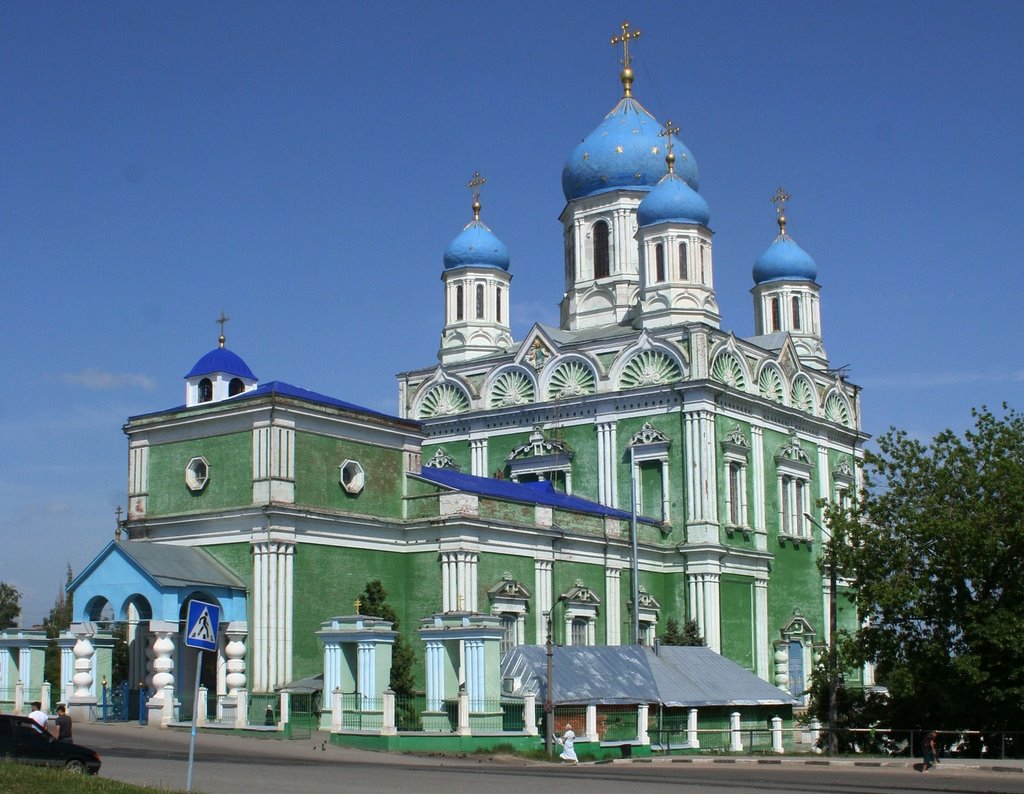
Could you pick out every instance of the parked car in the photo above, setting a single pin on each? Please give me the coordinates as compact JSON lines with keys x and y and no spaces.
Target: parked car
{"x":21,"y":739}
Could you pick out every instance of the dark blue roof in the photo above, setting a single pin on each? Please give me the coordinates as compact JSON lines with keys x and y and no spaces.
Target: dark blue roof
{"x":542,"y":493}
{"x":220,"y":359}
{"x":287,"y":390}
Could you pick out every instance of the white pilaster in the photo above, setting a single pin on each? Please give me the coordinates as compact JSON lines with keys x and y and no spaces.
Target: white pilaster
{"x":613,"y":606}
{"x":542,"y":570}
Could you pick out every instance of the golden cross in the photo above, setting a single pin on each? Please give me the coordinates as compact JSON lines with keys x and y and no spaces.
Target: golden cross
{"x":474,"y":185}
{"x":118,"y":512}
{"x":358,"y":604}
{"x":779,"y":199}
{"x":458,"y":602}
{"x":667,"y":133}
{"x":221,"y":320}
{"x":624,"y":41}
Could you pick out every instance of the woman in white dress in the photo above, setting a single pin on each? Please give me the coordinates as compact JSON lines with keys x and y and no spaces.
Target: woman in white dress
{"x":567,"y":741}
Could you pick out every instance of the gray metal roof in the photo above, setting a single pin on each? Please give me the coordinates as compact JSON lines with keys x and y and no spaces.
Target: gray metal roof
{"x":696,"y":676}
{"x":626,"y":674}
{"x":178,"y":566}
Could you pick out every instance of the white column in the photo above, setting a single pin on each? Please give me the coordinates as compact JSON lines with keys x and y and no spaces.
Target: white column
{"x":25,"y":667}
{"x":713,"y":634}
{"x":259,"y":617}
{"x":84,"y":653}
{"x":641,"y":724}
{"x":692,"y":737}
{"x":709,"y":482}
{"x":735,"y":735}
{"x":824,"y":475}
{"x":478,"y":457}
{"x":666,"y":501}
{"x":542,"y":587}
{"x":272,"y":620}
{"x":613,"y":606}
{"x":591,"y":723}
{"x":530,"y":714}
{"x":777,"y":735}
{"x":763,"y":651}
{"x":471,"y":598}
{"x":435,"y":675}
{"x":234,"y":652}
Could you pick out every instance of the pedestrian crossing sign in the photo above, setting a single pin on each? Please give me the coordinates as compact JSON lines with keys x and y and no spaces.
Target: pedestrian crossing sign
{"x":201,"y":626}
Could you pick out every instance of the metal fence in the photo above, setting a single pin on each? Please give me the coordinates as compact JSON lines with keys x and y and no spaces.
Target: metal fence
{"x":264,"y":709}
{"x":907,"y":742}
{"x":361,"y":713}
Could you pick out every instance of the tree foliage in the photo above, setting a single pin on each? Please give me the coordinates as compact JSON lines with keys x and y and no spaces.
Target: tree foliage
{"x":687,"y":634}
{"x":57,"y":621}
{"x":10,"y":606}
{"x":403,"y":657}
{"x":936,"y":553}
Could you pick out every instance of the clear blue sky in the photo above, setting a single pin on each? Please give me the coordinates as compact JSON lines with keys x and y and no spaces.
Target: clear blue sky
{"x":302,"y":166}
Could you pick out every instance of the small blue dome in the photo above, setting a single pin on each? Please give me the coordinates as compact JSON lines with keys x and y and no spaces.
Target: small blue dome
{"x":784,"y":259}
{"x":220,"y":359}
{"x":672,"y":200}
{"x":476,"y":246}
{"x":625,"y":151}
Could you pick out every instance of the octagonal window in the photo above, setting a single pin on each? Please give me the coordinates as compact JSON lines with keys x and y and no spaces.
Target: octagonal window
{"x":353,"y":477}
{"x":197,"y":474}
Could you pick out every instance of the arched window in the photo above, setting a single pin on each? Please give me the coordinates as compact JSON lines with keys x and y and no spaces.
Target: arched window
{"x":235,"y":387}
{"x":796,"y":313}
{"x":682,"y":262}
{"x":776,"y":319}
{"x":458,"y":303}
{"x":205,"y":390}
{"x":704,"y":264}
{"x":497,"y":306}
{"x":601,"y":258}
{"x":659,"y":262}
{"x":570,"y":259}
{"x":479,"y":301}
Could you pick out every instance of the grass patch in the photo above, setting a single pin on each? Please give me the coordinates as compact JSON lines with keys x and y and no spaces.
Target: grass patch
{"x":24,"y":779}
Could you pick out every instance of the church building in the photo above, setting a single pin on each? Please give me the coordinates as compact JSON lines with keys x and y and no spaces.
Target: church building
{"x":637,"y":464}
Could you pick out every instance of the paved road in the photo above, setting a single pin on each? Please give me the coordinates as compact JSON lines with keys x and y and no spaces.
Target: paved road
{"x":243,"y":765}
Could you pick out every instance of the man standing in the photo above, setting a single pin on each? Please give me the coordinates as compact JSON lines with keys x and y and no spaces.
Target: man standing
{"x":63,"y":725}
{"x":38,"y":715}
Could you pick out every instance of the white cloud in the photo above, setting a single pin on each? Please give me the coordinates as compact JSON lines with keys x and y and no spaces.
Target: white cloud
{"x":92,"y":378}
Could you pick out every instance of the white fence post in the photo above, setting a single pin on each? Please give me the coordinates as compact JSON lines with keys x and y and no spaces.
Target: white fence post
{"x":336,"y":714}
{"x":242,"y":709}
{"x":692,"y":737}
{"x":19,"y":697}
{"x":642,"y":712}
{"x":201,"y":706}
{"x":286,"y":702}
{"x":591,"y":729}
{"x":735,"y":737}
{"x":530,"y":714}
{"x":388,"y":727}
{"x":777,"y":735}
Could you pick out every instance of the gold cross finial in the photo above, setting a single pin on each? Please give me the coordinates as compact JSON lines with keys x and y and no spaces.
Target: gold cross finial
{"x":627,"y":74}
{"x":221,"y":320}
{"x":117,"y":529}
{"x":474,"y":185}
{"x":458,"y":602}
{"x":667,"y":133}
{"x":357,"y":604}
{"x":779,"y":200}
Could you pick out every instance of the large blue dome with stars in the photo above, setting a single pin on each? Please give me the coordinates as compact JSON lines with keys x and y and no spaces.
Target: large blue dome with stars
{"x":625,"y":151}
{"x":476,"y":246}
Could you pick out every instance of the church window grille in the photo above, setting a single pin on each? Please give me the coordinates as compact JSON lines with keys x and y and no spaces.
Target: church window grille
{"x":459,"y":301}
{"x":602,"y":257}
{"x":235,"y":387}
{"x":682,"y":262}
{"x":796,"y":313}
{"x":659,"y":263}
{"x":497,"y":305}
{"x":509,"y":633}
{"x":796,"y":668}
{"x":579,"y":631}
{"x":776,"y":318}
{"x":205,"y":390}
{"x":479,"y":301}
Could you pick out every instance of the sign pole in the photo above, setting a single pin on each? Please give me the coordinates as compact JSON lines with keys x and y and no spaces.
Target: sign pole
{"x":195,"y":714}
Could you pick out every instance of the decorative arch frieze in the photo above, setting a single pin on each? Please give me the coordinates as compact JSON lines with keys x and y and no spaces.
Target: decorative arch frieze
{"x":512,"y":387}
{"x":442,"y":399}
{"x":802,"y":395}
{"x":836,"y":409}
{"x":572,"y":377}
{"x":727,"y":369}
{"x":770,"y":384}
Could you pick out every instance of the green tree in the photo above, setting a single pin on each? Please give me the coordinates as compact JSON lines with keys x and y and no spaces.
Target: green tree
{"x":687,"y":634}
{"x":57,"y":621}
{"x":403,"y":657}
{"x":936,"y":555}
{"x":10,"y":606}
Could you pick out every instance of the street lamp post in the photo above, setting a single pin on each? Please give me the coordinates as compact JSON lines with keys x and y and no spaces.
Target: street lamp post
{"x":833,"y":693}
{"x":549,"y":716}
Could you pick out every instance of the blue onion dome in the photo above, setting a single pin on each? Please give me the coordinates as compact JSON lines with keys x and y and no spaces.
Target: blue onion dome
{"x":220,"y":359}
{"x":672,"y":201}
{"x":625,"y":151}
{"x":784,"y":259}
{"x":476,"y":245}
